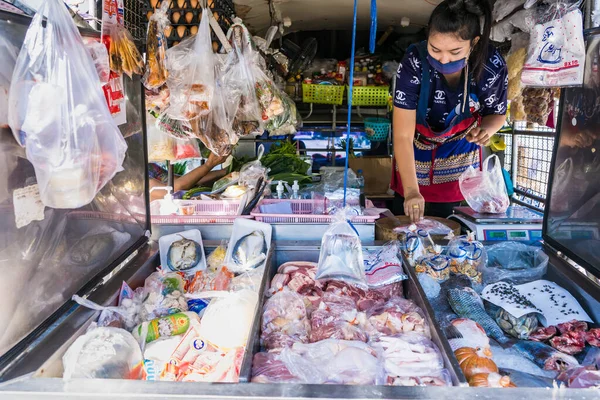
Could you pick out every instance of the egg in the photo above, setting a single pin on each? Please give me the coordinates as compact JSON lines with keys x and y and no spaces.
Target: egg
{"x":153,"y":3}
{"x":168,"y":31}
{"x":181,"y":31}
{"x":189,"y":17}
{"x":181,"y":3}
{"x":176,"y":16}
{"x":194,"y":30}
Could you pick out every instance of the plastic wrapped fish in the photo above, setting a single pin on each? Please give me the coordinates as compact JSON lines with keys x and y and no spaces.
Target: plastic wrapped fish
{"x":184,"y":255}
{"x":249,"y":252}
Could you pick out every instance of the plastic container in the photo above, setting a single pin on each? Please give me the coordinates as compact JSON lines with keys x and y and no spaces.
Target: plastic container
{"x":374,"y":96}
{"x":304,"y":212}
{"x":205,"y":212}
{"x":165,"y":242}
{"x":377,"y":129}
{"x":323,"y":94}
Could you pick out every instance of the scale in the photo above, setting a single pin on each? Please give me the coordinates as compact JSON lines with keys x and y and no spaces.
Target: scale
{"x":518,"y":223}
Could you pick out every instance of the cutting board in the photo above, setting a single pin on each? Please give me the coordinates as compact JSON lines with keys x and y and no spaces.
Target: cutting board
{"x":384,"y":228}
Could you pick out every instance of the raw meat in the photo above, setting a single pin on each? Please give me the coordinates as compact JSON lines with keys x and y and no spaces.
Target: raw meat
{"x":570,"y":342}
{"x":577,"y":326}
{"x":268,"y":368}
{"x":542,"y":334}
{"x":338,"y":318}
{"x":299,"y":277}
{"x":284,"y":321}
{"x":409,"y":356}
{"x":398,"y":315}
{"x":593,"y":337}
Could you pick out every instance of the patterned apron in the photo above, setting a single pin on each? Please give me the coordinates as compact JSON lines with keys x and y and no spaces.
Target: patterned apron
{"x":441,"y":157}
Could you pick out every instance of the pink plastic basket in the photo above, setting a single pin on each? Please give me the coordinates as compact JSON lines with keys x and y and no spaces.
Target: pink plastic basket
{"x":206,"y":212}
{"x":304,"y":213}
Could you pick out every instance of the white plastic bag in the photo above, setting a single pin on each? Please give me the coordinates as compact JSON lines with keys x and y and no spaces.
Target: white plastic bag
{"x":58,"y":112}
{"x":161,"y":147}
{"x":485,"y":190}
{"x":341,"y":256}
{"x":556,"y":55}
{"x":100,"y":56}
{"x":104,"y":353}
{"x":504,"y":8}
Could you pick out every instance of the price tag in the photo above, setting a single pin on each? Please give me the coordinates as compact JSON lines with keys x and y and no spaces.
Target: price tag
{"x":28,"y":205}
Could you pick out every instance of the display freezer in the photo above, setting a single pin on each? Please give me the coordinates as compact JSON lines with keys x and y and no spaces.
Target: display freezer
{"x":38,"y":285}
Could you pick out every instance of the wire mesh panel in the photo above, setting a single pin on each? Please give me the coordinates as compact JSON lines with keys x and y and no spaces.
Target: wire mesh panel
{"x":534,"y":155}
{"x":135,"y":19}
{"x":508,"y":139}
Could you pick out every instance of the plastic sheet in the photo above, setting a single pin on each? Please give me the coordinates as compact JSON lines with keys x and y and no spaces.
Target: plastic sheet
{"x":341,"y":255}
{"x":485,"y":190}
{"x":514,"y":262}
{"x":103,"y":353}
{"x":75,"y":156}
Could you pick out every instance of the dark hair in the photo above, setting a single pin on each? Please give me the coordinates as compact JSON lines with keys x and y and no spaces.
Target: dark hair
{"x":463,"y":17}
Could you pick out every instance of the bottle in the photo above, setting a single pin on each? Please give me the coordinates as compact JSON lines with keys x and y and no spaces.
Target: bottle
{"x":167,"y":205}
{"x":280,"y":190}
{"x":295,"y":190}
{"x":361,"y":186}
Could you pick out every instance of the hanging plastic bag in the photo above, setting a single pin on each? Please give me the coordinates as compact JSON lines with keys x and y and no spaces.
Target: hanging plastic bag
{"x":514,"y":262}
{"x":239,"y":81}
{"x":104,"y":353}
{"x":161,"y":147}
{"x":485,"y":191}
{"x":58,"y":112}
{"x":504,"y":8}
{"x":341,"y":256}
{"x":157,"y":101}
{"x":156,"y":57}
{"x":253,"y":171}
{"x":556,"y":55}
{"x":185,"y":149}
{"x":191,"y":78}
{"x":100,"y":56}
{"x":10,"y":53}
{"x":286,"y":122}
{"x":123,"y":54}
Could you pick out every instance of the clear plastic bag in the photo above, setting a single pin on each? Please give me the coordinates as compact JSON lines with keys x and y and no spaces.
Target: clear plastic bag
{"x":397,"y":316}
{"x":284,"y":322}
{"x":10,"y":53}
{"x":514,"y":262}
{"x":163,"y":295}
{"x":556,"y":55}
{"x":417,"y":244}
{"x":467,"y":257}
{"x":332,"y":361}
{"x":124,"y":56}
{"x":104,"y":353}
{"x":238,"y":80}
{"x":156,"y":58}
{"x":253,"y":171}
{"x":341,"y":256}
{"x":100,"y":56}
{"x":485,"y":190}
{"x":431,"y":226}
{"x":191,"y":66}
{"x":185,"y":149}
{"x":384,"y":267}
{"x":127,"y":314}
{"x":58,"y":112}
{"x":161,"y":147}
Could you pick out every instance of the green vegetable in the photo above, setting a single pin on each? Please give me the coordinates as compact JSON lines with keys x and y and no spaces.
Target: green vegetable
{"x":189,"y":194}
{"x":179,"y":168}
{"x":351,"y":147}
{"x":283,"y":147}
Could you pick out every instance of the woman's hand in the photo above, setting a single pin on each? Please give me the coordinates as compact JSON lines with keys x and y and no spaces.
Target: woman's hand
{"x":214,"y":160}
{"x":480,"y":136}
{"x":414,"y":206}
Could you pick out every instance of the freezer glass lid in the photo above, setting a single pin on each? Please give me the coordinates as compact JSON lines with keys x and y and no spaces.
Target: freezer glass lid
{"x":513,"y":215}
{"x":573,"y":204}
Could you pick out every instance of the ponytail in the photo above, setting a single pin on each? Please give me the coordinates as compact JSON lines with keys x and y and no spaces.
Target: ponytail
{"x":465,"y":19}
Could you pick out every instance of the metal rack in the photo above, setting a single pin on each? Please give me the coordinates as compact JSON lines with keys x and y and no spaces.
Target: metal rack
{"x":135,"y":19}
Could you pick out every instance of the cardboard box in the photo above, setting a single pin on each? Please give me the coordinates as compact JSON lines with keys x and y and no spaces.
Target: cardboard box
{"x":377,"y":172}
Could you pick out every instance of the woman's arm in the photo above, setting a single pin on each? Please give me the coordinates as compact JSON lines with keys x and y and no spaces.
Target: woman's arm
{"x":189,"y":180}
{"x":405,"y":122}
{"x":490,"y":124}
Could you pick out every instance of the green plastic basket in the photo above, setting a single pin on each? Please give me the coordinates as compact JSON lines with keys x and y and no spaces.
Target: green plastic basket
{"x":323,"y":94}
{"x":370,"y":96}
{"x":377,"y":129}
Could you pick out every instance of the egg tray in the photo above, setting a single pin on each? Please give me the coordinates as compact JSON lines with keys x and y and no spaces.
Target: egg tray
{"x":223,"y":8}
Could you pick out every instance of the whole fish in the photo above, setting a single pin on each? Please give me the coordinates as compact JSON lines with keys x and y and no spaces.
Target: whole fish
{"x":466,"y":303}
{"x":91,"y":249}
{"x":544,"y":356}
{"x":522,"y":379}
{"x":250,"y":250}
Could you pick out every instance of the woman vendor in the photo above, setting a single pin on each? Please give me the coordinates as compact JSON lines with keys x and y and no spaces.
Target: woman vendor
{"x":437,"y":134}
{"x":197,"y":177}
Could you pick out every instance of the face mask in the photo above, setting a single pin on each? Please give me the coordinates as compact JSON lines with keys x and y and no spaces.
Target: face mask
{"x":447,"y":68}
